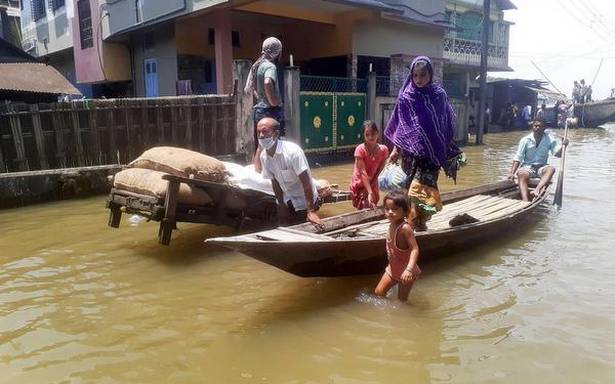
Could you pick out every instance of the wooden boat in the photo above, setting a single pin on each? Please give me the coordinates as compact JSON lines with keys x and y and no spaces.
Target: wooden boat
{"x":594,"y":113}
{"x":354,"y":243}
{"x":240,"y":208}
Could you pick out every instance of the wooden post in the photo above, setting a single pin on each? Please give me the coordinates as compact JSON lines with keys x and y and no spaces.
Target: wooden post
{"x":115,"y":214}
{"x":127,"y":106}
{"x":201,"y":124}
{"x":292,"y":109}
{"x":94,"y":135}
{"x":56,"y":120}
{"x":3,"y":167}
{"x":225,"y":134}
{"x":17,"y":134}
{"x":174,"y":126}
{"x":74,"y":114}
{"x":188,"y":109}
{"x":111,"y":132}
{"x":167,"y":224}
{"x":159,"y":122}
{"x":145,"y":123}
{"x":212,"y":127}
{"x":244,"y":125}
{"x":39,"y":138}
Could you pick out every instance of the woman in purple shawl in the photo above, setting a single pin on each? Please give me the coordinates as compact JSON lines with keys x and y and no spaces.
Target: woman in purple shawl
{"x":422,"y":129}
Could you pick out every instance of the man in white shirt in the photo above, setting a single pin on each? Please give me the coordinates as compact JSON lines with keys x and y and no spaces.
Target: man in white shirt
{"x":285,"y":164}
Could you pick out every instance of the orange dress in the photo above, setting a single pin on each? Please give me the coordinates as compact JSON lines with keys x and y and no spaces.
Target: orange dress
{"x":398,"y":259}
{"x":372,"y":164}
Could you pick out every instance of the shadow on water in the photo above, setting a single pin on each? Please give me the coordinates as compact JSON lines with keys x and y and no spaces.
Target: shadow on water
{"x":187,"y":245}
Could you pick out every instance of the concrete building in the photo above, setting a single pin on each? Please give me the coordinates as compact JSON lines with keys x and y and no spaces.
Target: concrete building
{"x":462,"y":48}
{"x":10,"y":29}
{"x":47,"y":32}
{"x":187,"y":46}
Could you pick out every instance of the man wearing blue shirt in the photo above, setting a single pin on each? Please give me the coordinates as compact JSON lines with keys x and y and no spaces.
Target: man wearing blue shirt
{"x":531,"y":159}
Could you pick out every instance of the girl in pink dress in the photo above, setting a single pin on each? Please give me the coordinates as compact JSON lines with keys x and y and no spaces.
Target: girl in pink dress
{"x":402,"y":249}
{"x":370,"y":157}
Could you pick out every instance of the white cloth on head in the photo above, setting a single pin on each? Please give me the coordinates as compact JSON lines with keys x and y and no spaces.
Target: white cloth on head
{"x":287,"y":163}
{"x":272,"y":48}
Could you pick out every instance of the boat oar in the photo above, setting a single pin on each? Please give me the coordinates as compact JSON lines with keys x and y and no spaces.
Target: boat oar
{"x":559,"y":188}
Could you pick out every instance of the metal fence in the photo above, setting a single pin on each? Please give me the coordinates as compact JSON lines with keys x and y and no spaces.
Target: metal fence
{"x":333,"y":84}
{"x":97,"y":132}
{"x":390,"y":86}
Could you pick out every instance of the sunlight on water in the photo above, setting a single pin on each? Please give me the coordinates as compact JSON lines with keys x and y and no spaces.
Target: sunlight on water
{"x":82,"y":302}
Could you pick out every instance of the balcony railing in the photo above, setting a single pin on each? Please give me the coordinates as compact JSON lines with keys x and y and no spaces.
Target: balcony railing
{"x":467,"y":52}
{"x":9,"y":3}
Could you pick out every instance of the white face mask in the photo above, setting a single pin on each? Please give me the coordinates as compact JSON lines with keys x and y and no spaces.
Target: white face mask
{"x":266,"y":142}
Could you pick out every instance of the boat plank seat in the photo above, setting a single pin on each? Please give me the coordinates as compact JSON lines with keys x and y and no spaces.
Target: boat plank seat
{"x":283,"y":234}
{"x":488,"y":209}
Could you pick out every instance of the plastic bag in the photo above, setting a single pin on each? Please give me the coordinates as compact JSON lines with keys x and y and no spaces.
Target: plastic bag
{"x":392,"y":178}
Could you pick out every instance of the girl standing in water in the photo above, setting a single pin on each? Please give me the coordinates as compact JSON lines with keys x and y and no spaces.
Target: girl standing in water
{"x":370,"y":158}
{"x":422,"y":129}
{"x":402,"y":249}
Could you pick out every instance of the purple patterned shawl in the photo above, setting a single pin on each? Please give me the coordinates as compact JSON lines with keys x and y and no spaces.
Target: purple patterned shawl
{"x":423,"y":122}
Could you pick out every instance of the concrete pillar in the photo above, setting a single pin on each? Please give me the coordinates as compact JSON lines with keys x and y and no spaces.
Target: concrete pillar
{"x":224,"y":51}
{"x":244,"y":125}
{"x":370,"y":103}
{"x":292,"y":107}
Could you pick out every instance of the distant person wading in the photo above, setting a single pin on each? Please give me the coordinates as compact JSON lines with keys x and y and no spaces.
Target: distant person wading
{"x":263,"y":84}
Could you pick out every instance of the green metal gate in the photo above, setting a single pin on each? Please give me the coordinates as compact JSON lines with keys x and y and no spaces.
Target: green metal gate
{"x":332,"y":113}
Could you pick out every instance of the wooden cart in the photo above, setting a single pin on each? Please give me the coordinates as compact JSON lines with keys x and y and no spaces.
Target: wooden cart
{"x":231,"y":206}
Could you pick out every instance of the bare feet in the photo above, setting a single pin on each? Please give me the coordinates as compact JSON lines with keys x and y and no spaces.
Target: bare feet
{"x":535,"y":193}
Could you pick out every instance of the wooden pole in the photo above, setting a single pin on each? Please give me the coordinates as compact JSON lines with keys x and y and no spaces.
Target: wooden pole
{"x":188,"y":116}
{"x":74,"y":114}
{"x":17,"y":134}
{"x":201,"y":125}
{"x":559,"y":189}
{"x":96,"y":152}
{"x":39,"y":137}
{"x":111,"y":131}
{"x":159,"y":122}
{"x":483,"y":71}
{"x":130,"y":136}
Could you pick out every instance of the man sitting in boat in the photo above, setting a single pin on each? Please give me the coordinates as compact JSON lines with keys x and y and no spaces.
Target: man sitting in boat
{"x":285,"y":164}
{"x":531,"y":158}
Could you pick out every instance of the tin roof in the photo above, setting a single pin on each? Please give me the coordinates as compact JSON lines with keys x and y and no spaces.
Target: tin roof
{"x":34,"y":77}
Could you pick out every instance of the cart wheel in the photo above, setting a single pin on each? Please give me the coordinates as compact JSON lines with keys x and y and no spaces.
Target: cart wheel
{"x":164,"y":232}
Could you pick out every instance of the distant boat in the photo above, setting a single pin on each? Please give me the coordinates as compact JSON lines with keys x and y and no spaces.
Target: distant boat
{"x":594,"y":113}
{"x":354,"y":243}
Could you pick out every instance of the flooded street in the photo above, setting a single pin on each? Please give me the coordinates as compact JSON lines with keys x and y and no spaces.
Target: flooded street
{"x":83,"y":302}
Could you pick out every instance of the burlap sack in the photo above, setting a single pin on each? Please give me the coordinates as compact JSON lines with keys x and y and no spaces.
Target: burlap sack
{"x":181,"y":162}
{"x":150,"y":183}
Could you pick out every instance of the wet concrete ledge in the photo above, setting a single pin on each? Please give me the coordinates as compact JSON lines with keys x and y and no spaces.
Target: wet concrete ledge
{"x":24,"y":188}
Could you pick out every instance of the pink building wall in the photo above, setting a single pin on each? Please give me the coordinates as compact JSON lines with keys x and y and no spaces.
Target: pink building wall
{"x":87,"y":63}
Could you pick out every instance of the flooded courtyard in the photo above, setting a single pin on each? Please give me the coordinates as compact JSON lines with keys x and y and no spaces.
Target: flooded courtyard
{"x":82,"y":302}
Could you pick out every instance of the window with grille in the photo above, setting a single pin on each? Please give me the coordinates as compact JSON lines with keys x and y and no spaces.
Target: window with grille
{"x":56,"y":4}
{"x":85,"y":24}
{"x":38,"y":9}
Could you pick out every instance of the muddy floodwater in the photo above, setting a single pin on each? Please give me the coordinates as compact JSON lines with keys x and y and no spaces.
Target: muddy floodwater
{"x":84,"y":303}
